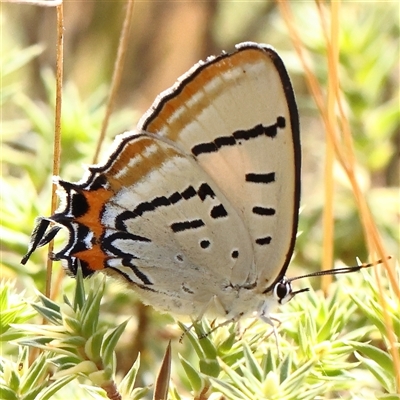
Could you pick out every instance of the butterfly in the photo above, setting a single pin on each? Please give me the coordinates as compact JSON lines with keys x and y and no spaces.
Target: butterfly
{"x":196,"y":210}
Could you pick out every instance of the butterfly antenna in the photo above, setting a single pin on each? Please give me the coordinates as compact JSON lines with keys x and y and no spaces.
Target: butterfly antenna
{"x":337,"y":271}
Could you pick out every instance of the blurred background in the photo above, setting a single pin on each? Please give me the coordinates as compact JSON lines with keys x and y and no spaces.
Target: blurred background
{"x":166,"y":39}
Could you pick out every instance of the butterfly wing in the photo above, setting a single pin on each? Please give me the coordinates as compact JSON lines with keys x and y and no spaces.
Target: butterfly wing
{"x":237,"y":115}
{"x":202,"y":203}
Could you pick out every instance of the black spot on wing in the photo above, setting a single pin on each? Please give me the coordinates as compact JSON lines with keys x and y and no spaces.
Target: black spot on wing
{"x":204,"y":244}
{"x":204,"y":148}
{"x":186,"y":225}
{"x":218,"y":212}
{"x":175,"y":197}
{"x":264,"y":240}
{"x":241,"y":135}
{"x":189,"y":193}
{"x":161,"y":201}
{"x":263,"y":210}
{"x":204,"y":191}
{"x":224,"y":141}
{"x":281,"y":122}
{"x":78,"y":204}
{"x":261,"y":178}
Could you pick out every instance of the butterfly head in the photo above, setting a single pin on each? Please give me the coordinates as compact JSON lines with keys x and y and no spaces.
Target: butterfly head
{"x":283,"y":291}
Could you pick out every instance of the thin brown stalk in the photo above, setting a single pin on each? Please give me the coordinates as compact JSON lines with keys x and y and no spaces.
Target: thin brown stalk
{"x":117,"y":74}
{"x":57,"y":131}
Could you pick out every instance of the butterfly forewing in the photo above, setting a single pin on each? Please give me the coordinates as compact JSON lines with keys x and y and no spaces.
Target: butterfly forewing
{"x":237,"y":115}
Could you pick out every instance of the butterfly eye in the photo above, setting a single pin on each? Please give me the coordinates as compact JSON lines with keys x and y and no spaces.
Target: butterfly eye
{"x":283,"y":291}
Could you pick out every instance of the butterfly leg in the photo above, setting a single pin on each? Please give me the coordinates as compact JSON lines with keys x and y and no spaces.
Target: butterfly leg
{"x":219,"y":308}
{"x":269,"y":321}
{"x":215,"y":304}
{"x":228,"y":321}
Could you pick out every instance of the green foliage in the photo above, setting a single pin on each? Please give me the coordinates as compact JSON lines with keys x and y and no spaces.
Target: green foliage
{"x":76,"y":344}
{"x":12,"y":61}
{"x":323,"y":344}
{"x":318,"y":340}
{"x":13,"y":310}
{"x":368,"y":78}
